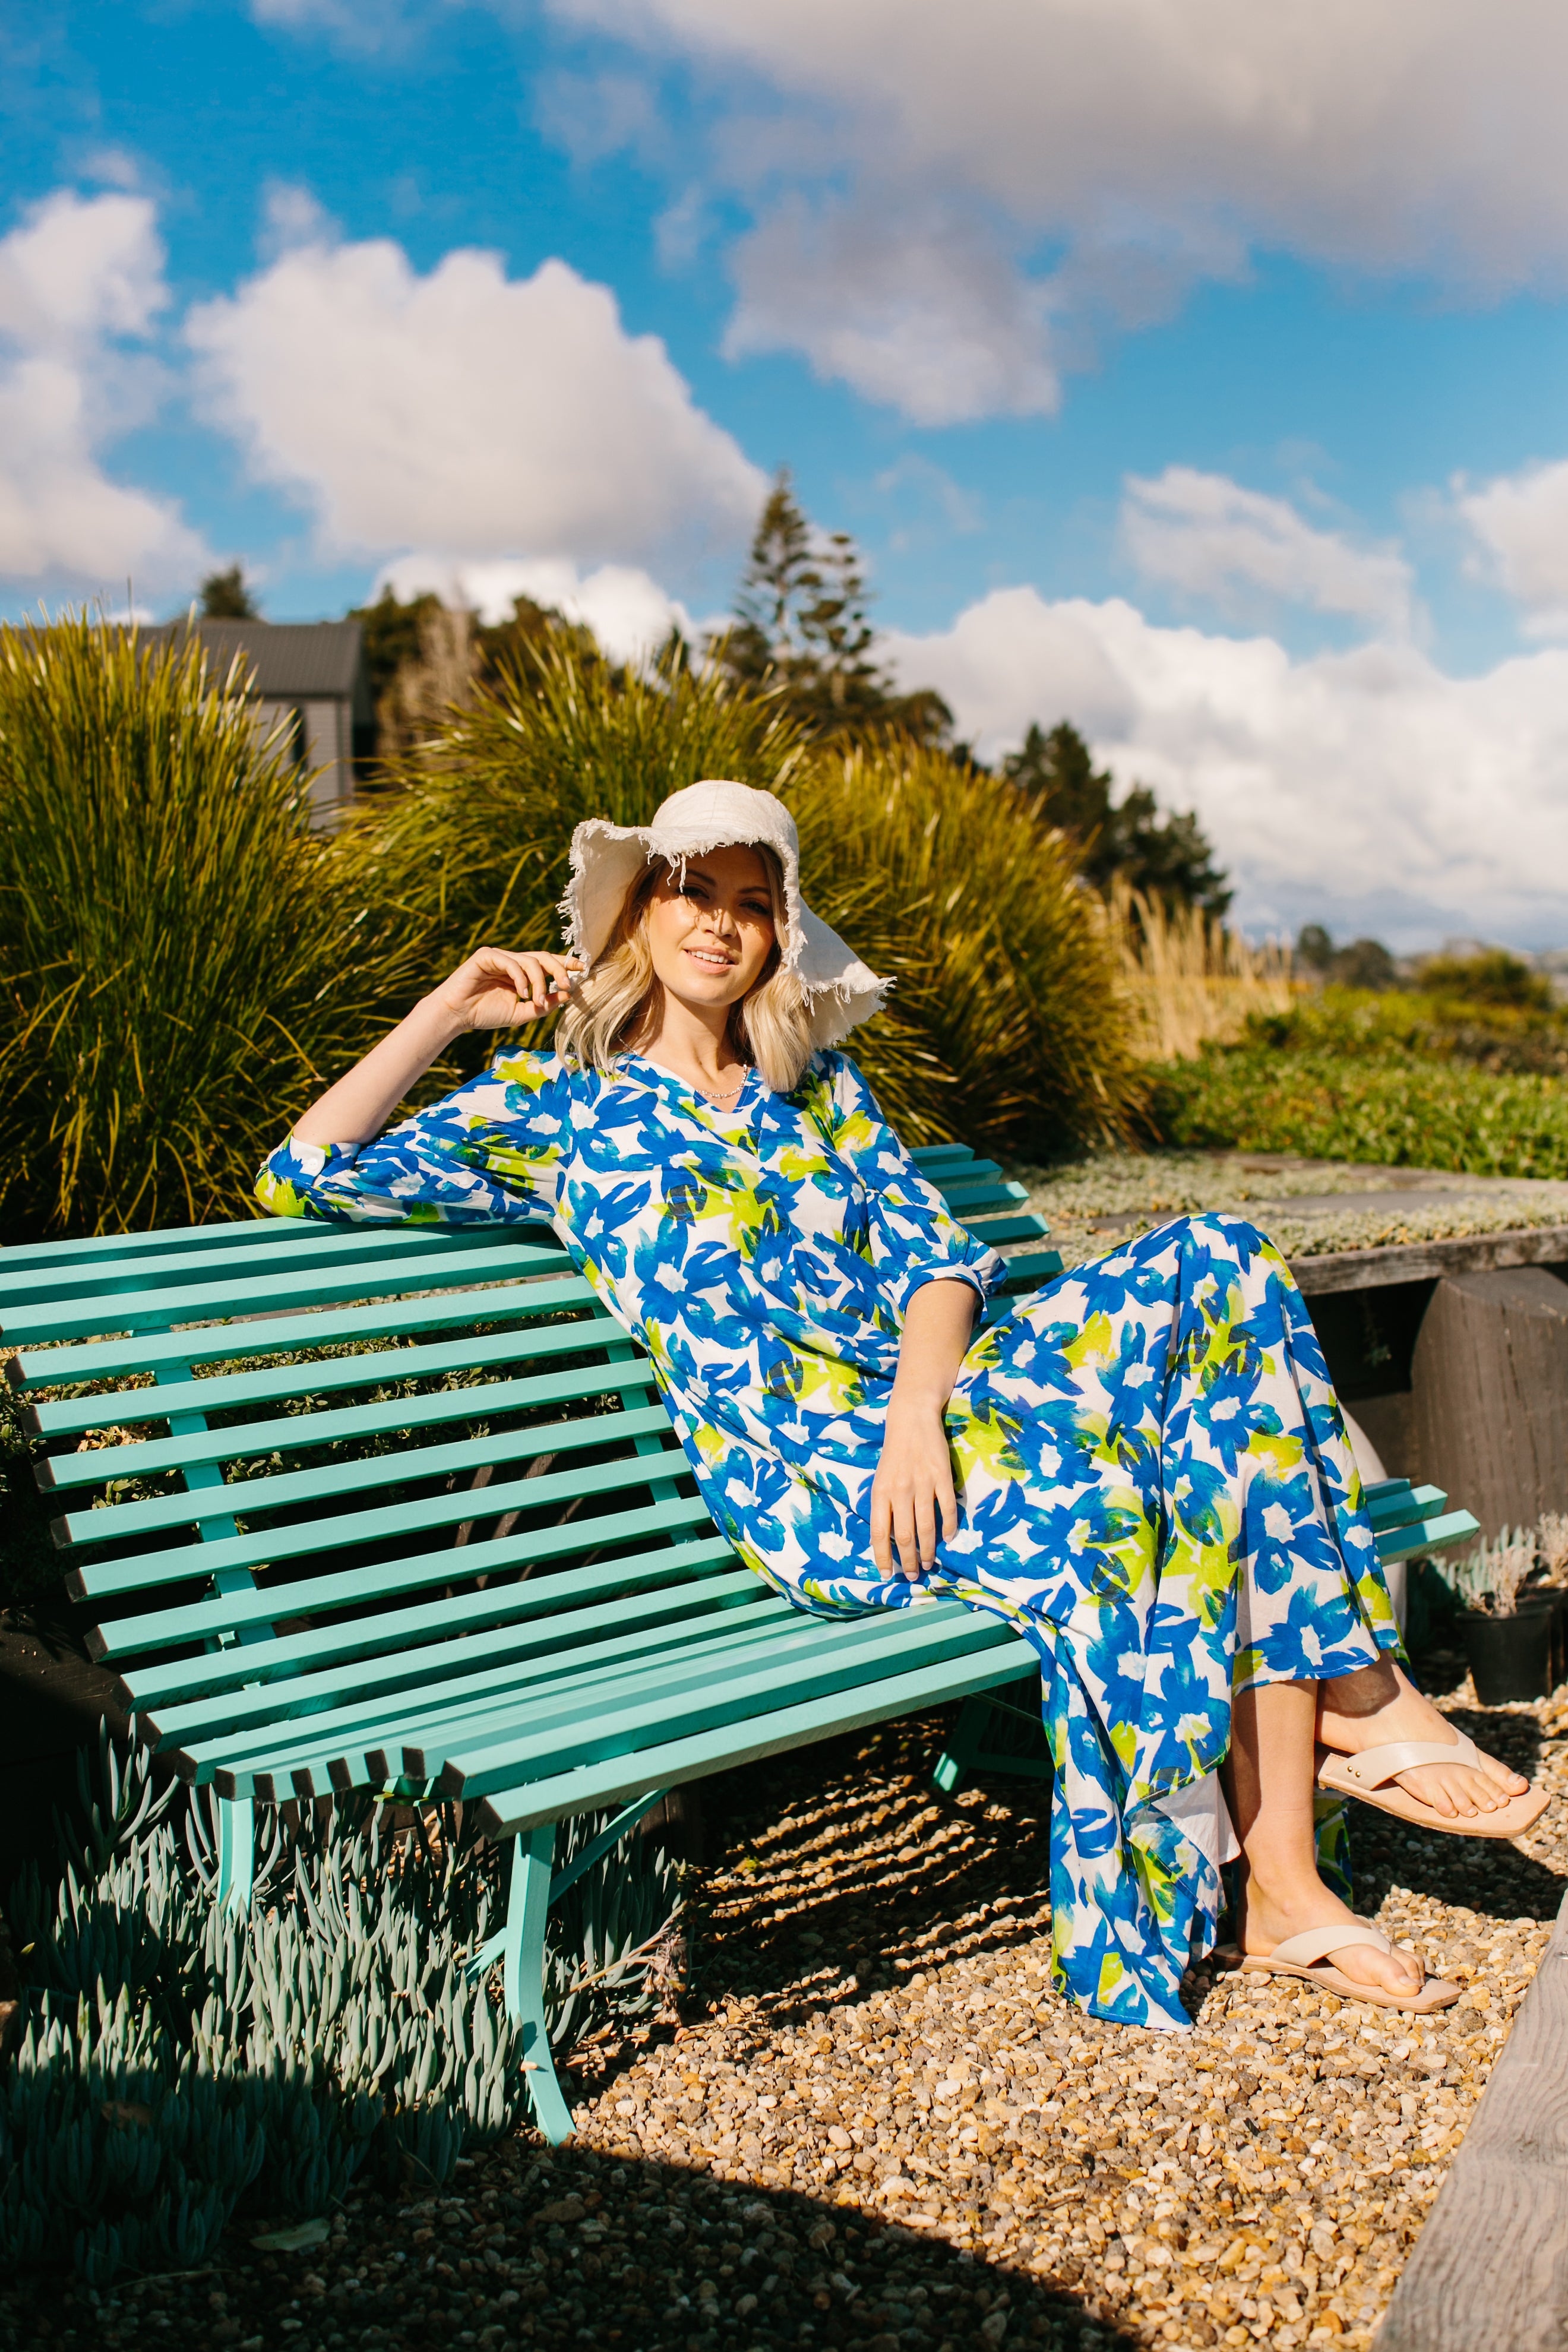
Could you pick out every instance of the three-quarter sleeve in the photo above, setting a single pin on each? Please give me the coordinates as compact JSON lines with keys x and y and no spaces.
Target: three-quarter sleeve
{"x":911,"y":1235}
{"x":488,"y":1154}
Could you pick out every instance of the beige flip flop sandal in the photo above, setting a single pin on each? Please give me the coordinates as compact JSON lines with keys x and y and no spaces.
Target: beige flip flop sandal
{"x":1371,"y":1776}
{"x":1306,"y":1954}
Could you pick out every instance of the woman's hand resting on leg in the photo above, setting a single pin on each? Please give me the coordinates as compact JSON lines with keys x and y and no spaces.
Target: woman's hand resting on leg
{"x":913,"y":1499}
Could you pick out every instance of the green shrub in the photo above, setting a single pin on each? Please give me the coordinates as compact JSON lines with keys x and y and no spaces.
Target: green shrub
{"x":1390,"y":1111}
{"x":1494,"y":980}
{"x":181,"y":962}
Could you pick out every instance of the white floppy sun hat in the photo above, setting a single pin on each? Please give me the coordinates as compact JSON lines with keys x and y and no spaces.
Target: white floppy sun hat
{"x":606,"y":860}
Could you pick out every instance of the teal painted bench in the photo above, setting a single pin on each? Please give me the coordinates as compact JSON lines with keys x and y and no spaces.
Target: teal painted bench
{"x":417,"y":1521}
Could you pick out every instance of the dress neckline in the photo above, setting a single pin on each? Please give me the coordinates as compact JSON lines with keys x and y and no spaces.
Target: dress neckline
{"x":741,"y":1108}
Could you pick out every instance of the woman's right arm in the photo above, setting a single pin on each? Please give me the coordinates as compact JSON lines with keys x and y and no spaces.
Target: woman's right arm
{"x":493,"y":989}
{"x":444,"y":1164}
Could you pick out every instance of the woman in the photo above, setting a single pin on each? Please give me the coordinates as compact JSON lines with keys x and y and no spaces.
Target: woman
{"x":1141,"y":1466}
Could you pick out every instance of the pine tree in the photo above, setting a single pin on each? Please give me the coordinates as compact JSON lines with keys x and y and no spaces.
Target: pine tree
{"x":802,"y":629}
{"x":1170,"y":857}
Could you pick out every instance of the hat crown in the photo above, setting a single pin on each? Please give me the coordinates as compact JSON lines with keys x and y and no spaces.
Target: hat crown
{"x":717,"y":813}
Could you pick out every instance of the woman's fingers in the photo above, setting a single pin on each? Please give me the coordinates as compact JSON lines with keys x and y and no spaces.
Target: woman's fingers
{"x":535,"y":981}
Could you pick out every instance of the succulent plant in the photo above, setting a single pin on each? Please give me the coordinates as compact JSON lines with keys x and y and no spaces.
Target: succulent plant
{"x":174,"y":2056}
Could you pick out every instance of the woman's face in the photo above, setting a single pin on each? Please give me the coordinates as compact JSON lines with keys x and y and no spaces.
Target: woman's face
{"x":710,"y":927}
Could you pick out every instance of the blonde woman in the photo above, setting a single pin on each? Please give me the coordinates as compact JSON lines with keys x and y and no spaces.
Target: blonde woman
{"x":1141,"y":1466}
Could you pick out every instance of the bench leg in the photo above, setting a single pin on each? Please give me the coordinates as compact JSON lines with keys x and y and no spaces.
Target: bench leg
{"x":952,"y":1765}
{"x":985,"y":1738}
{"x":235,"y":1851}
{"x":527,"y":1910}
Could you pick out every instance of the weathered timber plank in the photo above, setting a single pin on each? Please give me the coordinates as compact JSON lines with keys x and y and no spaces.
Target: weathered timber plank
{"x":1489,"y":1391}
{"x":1372,"y":1269}
{"x":1491,"y":2266}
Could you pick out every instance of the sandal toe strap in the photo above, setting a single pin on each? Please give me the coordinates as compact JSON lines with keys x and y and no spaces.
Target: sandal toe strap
{"x":1316,"y":1943}
{"x":1373,"y":1766}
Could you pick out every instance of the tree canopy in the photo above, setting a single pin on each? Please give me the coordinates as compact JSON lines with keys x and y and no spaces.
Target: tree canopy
{"x":803,"y":632}
{"x":1166,"y":857}
{"x":227,"y":596}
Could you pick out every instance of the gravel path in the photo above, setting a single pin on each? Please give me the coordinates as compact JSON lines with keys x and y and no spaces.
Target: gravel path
{"x":881,"y":2129}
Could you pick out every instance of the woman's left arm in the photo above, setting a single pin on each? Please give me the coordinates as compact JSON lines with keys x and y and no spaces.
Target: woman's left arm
{"x":912,"y":1494}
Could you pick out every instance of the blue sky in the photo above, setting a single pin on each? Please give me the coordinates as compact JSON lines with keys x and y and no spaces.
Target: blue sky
{"x":1194,"y":372}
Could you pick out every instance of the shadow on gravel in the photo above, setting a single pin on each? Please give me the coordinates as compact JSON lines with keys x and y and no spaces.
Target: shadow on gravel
{"x":838,"y":1868}
{"x":567,"y":2246}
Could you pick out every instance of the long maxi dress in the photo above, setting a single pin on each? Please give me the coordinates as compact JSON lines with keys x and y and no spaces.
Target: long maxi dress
{"x":1155,"y":1487}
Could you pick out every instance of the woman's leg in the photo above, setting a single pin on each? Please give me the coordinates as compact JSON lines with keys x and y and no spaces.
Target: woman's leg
{"x":1268,"y":1780}
{"x":1378,"y":1704}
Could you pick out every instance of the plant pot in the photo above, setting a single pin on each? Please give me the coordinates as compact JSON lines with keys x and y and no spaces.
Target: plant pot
{"x":1510,"y":1657}
{"x":1558,"y":1634}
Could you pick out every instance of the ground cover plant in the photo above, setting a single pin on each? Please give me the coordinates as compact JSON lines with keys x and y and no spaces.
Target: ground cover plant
{"x":173,"y":2056}
{"x":1421,"y":1080}
{"x":1005,"y":1027}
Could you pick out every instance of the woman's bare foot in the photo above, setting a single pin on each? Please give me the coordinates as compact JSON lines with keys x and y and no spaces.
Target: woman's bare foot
{"x":1268,"y":1915}
{"x":1379,"y":1703}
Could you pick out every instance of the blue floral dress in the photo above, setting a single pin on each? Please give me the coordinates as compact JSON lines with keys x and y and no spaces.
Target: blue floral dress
{"x":1154,"y":1482}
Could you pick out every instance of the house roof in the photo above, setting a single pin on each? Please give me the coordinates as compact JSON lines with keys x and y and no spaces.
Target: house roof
{"x":291,"y":661}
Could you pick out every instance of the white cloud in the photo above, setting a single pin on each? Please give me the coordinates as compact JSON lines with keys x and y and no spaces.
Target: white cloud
{"x":628,"y":610}
{"x":1368,"y":788}
{"x":1522,"y":523}
{"x":81,"y":286}
{"x":1207,"y":536}
{"x":1104,"y":159}
{"x":928,"y":317}
{"x":468,"y":409}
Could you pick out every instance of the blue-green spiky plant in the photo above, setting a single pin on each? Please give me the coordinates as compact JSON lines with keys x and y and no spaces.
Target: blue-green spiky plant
{"x":173,"y":2055}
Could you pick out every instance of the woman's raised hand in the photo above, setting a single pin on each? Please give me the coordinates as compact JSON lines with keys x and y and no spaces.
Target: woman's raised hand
{"x":496,"y":988}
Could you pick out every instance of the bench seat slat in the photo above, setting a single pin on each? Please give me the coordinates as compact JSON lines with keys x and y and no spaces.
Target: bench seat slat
{"x":103,"y":1579}
{"x":410,"y":1664}
{"x":830,"y":1658}
{"x":1426,"y":1534}
{"x":963,"y":1194}
{"x":318,"y":1247}
{"x":151,"y":1352}
{"x":319,"y":1287}
{"x":581,"y":1679}
{"x":231,"y":1391}
{"x":110,"y":1249}
{"x":293,"y":1433}
{"x":417,"y":1684}
{"x":931,"y":1158}
{"x":597,"y":1711}
{"x":433,"y":1625}
{"x":1024,"y":1228}
{"x":1407,"y":1502}
{"x":287,"y":1489}
{"x":235,"y":1612}
{"x":528,"y":1804}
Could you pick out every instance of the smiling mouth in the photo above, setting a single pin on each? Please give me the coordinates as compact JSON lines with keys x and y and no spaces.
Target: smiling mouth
{"x":714,"y":961}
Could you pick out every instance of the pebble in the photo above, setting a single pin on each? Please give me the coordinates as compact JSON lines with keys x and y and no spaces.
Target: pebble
{"x":879,"y":2126}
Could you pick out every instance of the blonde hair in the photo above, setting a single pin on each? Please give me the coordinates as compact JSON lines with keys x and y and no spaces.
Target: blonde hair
{"x":620,"y":1003}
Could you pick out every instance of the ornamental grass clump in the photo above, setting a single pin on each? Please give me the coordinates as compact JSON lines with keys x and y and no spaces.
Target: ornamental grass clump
{"x":182,"y":963}
{"x":473,"y":834}
{"x":1005,"y":1026}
